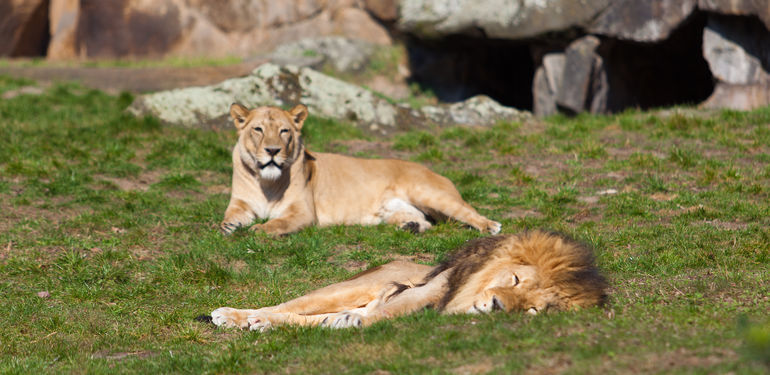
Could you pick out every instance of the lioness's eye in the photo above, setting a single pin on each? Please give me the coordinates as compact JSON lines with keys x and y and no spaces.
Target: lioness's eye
{"x":257,"y":128}
{"x":515,"y":280}
{"x":284,"y":131}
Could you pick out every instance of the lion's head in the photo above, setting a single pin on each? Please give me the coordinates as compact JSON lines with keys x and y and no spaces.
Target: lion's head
{"x":534,"y":272}
{"x":269,"y":138}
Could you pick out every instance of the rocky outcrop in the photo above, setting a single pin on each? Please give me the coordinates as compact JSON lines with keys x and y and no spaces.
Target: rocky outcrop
{"x":343,"y":54}
{"x":738,"y":53}
{"x":325,"y":96}
{"x":136,"y":28}
{"x":23,"y":27}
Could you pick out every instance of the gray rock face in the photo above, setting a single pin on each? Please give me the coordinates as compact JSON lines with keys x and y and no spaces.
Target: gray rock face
{"x":642,"y":20}
{"x":344,"y":54}
{"x":573,"y":81}
{"x":737,"y":51}
{"x":325,"y":96}
{"x":496,"y":18}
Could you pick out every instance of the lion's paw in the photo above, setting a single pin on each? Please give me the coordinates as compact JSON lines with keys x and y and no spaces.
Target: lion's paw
{"x":228,"y":228}
{"x":494,"y":227}
{"x":259,"y":323}
{"x":225,"y":317}
{"x":345,"y":319}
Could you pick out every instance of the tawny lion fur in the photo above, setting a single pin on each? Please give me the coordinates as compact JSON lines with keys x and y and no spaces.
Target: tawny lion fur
{"x":276,"y":178}
{"x":533,"y":272}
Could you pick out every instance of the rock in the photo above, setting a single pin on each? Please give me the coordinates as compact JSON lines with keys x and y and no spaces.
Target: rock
{"x":384,"y":10}
{"x":24,"y":90}
{"x":546,"y":84}
{"x":356,"y":23}
{"x":738,"y":97}
{"x":23,"y":27}
{"x":325,"y":96}
{"x":63,"y":16}
{"x":479,"y":110}
{"x":43,"y":294}
{"x":270,"y":84}
{"x":495,"y":18}
{"x":737,"y":50}
{"x":738,"y":8}
{"x":642,"y":20}
{"x":138,"y":28}
{"x":343,"y":54}
{"x":577,"y":81}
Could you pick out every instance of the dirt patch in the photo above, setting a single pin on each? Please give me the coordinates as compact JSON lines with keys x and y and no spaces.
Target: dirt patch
{"x":117,"y":356}
{"x":726,"y":225}
{"x":475,"y":368}
{"x":668,"y":361}
{"x":517,"y":213}
{"x":138,"y":183}
{"x":11,"y":214}
{"x":555,"y":364}
{"x":416,"y":258}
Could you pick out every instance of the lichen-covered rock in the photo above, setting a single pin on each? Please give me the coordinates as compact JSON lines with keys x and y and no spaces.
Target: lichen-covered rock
{"x":343,"y":54}
{"x":479,"y":110}
{"x":325,"y":96}
{"x":270,"y":84}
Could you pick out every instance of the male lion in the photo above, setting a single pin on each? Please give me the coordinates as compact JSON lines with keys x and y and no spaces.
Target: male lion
{"x":533,"y":272}
{"x":275,"y":177}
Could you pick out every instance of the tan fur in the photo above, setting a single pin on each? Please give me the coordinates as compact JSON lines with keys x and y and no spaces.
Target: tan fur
{"x":533,"y":272}
{"x":295,"y":188}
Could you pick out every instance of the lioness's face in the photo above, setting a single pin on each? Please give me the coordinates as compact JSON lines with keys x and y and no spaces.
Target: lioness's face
{"x":269,"y":137}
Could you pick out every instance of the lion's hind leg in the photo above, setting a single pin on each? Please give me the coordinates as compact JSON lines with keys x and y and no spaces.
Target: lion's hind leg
{"x":404,"y":215}
{"x":443,"y":198}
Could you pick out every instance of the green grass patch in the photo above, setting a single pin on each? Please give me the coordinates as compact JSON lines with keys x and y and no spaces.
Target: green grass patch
{"x":115,"y":217}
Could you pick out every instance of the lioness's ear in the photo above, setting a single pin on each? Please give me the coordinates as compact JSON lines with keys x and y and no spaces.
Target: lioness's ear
{"x":298,"y":115}
{"x":239,"y":114}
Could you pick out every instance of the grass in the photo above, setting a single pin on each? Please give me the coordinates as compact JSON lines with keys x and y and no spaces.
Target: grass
{"x":115,"y":218}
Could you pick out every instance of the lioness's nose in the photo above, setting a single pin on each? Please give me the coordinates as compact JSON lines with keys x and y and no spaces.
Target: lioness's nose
{"x":272,"y":150}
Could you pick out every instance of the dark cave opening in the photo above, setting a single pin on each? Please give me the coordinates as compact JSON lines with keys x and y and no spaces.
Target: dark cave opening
{"x":648,"y":75}
{"x":639,"y":75}
{"x":458,"y":67}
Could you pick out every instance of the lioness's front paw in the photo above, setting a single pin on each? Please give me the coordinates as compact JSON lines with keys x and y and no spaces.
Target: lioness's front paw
{"x":494,"y":227}
{"x":228,"y":317}
{"x":228,"y":228}
{"x":345,"y":319}
{"x":259,"y":322}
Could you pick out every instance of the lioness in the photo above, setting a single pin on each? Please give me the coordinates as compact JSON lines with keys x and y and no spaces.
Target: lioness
{"x":533,"y":272}
{"x":275,"y":177}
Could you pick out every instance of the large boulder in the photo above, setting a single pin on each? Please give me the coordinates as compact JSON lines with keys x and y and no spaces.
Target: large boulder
{"x":495,"y":18}
{"x":737,"y":50}
{"x":23,"y":30}
{"x":139,"y":28}
{"x":641,"y":20}
{"x":325,"y":96}
{"x":738,"y":54}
